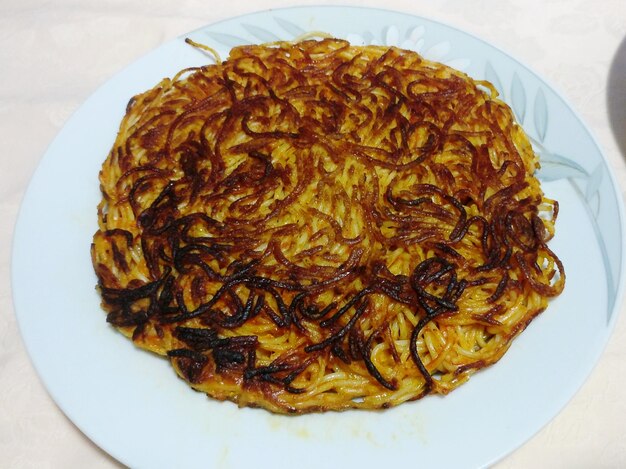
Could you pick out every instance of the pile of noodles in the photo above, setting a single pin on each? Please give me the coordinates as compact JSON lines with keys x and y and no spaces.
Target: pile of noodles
{"x":313,"y":226}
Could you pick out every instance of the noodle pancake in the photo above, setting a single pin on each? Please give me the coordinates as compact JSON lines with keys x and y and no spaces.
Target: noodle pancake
{"x":316,"y":226}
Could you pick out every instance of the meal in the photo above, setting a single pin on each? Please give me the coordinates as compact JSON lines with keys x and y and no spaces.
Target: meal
{"x":311,"y":226}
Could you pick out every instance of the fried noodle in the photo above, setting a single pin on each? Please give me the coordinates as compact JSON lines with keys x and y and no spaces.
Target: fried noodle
{"x":317,"y":226}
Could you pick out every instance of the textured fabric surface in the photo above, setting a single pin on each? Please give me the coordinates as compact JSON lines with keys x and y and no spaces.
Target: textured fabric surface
{"x":53,"y":55}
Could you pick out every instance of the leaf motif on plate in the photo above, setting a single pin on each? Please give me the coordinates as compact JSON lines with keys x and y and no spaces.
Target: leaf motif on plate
{"x":459,"y":64}
{"x":391,"y":36}
{"x":555,"y":166}
{"x":416,"y":33}
{"x":438,"y":51}
{"x":593,"y":184}
{"x":260,"y":33}
{"x":414,"y":38}
{"x":227,"y":40}
{"x":290,"y":27}
{"x":518,"y":97}
{"x":492,"y":76}
{"x":540,"y":114}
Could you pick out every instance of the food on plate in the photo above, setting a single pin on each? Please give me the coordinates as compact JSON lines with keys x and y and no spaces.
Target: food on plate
{"x":311,"y":226}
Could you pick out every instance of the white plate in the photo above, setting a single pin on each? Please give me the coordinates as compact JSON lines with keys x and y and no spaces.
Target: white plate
{"x":133,"y":406}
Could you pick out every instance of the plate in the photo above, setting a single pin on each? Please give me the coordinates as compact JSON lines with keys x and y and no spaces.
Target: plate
{"x":131,"y":404}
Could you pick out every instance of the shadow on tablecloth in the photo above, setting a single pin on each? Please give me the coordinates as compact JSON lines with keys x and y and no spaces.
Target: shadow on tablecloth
{"x":616,"y":96}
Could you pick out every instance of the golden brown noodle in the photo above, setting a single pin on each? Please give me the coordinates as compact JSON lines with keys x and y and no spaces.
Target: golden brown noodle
{"x":317,"y":226}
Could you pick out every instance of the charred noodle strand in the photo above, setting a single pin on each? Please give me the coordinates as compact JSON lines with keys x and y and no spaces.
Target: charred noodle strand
{"x":340,"y":334}
{"x":499,"y":289}
{"x":371,"y":368}
{"x":313,"y":226}
{"x":345,"y":308}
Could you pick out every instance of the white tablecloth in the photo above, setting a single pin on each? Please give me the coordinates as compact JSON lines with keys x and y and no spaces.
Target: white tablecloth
{"x":53,"y":55}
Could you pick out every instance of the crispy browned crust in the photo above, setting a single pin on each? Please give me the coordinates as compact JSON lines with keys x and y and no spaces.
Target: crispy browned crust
{"x":316,"y":226}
